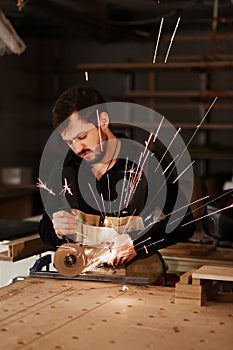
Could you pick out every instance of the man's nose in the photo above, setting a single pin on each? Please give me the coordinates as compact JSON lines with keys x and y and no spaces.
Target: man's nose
{"x":77,"y":146}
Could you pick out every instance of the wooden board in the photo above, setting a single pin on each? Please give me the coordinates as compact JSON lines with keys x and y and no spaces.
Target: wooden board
{"x":51,"y":314}
{"x":194,"y":249}
{"x":214,"y":273}
{"x":22,"y":248}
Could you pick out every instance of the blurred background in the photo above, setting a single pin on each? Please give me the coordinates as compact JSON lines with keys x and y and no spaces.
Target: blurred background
{"x":115,"y":47}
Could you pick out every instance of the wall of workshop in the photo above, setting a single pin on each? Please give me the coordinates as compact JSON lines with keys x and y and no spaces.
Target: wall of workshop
{"x":31,"y":82}
{"x":19,"y":108}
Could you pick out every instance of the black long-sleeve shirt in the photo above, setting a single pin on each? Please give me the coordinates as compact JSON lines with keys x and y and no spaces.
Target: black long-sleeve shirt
{"x":152,"y":192}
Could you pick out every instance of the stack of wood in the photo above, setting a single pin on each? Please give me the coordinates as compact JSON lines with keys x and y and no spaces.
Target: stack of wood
{"x":198,"y":286}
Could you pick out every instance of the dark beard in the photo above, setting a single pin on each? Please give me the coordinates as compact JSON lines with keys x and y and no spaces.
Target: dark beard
{"x":99,"y":156}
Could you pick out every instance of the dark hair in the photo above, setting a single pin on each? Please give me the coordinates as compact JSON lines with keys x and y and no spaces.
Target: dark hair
{"x":77,"y":99}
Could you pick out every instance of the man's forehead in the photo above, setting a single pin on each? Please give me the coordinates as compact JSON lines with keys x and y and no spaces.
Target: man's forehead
{"x":76,"y":126}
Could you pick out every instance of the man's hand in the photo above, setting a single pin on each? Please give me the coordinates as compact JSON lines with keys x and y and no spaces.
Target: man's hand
{"x":64,"y":223}
{"x":122,"y":254}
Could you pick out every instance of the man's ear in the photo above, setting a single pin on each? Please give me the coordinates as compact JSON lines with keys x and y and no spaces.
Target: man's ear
{"x":104,"y":120}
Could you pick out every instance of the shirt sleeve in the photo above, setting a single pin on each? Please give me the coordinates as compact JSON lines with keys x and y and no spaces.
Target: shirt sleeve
{"x":47,"y":233}
{"x":156,"y":235}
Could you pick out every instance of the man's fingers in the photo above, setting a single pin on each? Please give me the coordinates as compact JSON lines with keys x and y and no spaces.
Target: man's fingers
{"x":64,"y":223}
{"x":63,"y":214}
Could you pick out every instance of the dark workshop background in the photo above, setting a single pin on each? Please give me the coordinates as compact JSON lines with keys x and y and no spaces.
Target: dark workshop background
{"x":60,"y":35}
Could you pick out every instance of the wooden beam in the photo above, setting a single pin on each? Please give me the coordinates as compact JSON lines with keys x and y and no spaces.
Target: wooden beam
{"x":154,"y":66}
{"x":178,"y":94}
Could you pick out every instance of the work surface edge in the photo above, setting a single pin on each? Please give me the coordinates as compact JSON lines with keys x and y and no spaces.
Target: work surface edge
{"x":41,"y":313}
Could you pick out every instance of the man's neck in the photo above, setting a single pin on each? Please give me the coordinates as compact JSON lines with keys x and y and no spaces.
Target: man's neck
{"x":109,"y":159}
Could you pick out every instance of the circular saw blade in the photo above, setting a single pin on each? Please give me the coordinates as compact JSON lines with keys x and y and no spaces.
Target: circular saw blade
{"x":70,"y":259}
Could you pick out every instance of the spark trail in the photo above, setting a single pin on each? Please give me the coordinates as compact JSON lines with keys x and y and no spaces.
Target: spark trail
{"x":171,"y":41}
{"x":157,"y":44}
{"x":214,"y":212}
{"x":99,"y":131}
{"x":40,"y":184}
{"x":96,"y":200}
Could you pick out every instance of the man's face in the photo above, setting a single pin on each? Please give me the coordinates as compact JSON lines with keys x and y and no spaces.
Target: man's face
{"x":83,"y":138}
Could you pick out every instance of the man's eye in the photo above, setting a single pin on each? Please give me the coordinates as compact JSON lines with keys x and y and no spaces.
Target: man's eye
{"x":81,"y":137}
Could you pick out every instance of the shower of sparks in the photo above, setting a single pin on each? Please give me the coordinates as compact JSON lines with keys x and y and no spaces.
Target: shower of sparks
{"x":109,"y":195}
{"x":169,"y":165}
{"x":40,"y":184}
{"x":202,"y":206}
{"x":201,"y":122}
{"x":147,"y":143}
{"x":171,"y":41}
{"x":127,"y":227}
{"x":183,"y":171}
{"x":167,"y":148}
{"x":145,"y":240}
{"x":154,"y":243}
{"x":95,"y":200}
{"x":185,"y":206}
{"x":186,"y":146}
{"x":86,"y":76}
{"x":99,"y":131}
{"x":133,"y":182}
{"x":140,"y":172}
{"x":160,"y":124}
{"x":66,"y":188}
{"x":137,"y":177}
{"x":124,"y":288}
{"x":102,"y":199}
{"x":214,"y":212}
{"x":129,"y":185}
{"x":194,"y":134}
{"x":157,"y":44}
{"x":123,"y":187}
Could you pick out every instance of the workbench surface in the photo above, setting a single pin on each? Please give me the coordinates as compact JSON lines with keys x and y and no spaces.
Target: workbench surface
{"x":62,"y":314}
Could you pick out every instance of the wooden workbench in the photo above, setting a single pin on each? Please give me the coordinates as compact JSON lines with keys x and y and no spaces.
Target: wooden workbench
{"x":182,"y":257}
{"x":57,"y":314}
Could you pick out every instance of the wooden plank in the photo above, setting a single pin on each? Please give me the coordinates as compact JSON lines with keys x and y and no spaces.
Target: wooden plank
{"x":89,"y":315}
{"x":194,"y":249}
{"x":202,"y":293}
{"x":151,"y":66}
{"x":218,"y":273}
{"x":23,"y":248}
{"x":207,"y":94}
{"x":186,"y":277}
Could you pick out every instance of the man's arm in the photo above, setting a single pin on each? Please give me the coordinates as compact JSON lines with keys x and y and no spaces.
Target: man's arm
{"x":48,"y":234}
{"x":154,"y":236}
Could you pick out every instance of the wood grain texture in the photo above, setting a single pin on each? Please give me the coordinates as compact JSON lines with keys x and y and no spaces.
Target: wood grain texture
{"x":53,"y":314}
{"x":214,"y":273}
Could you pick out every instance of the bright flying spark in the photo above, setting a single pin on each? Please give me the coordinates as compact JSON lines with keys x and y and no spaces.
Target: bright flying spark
{"x":86,"y":76}
{"x":184,"y":171}
{"x":168,"y":147}
{"x":161,"y":121}
{"x":173,"y":161}
{"x":66,"y":188}
{"x":40,"y":184}
{"x":95,"y":200}
{"x":214,"y":212}
{"x":157,"y":44}
{"x":99,"y":131}
{"x":171,"y":41}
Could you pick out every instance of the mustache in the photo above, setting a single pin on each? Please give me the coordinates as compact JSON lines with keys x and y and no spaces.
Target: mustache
{"x":84,"y":151}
